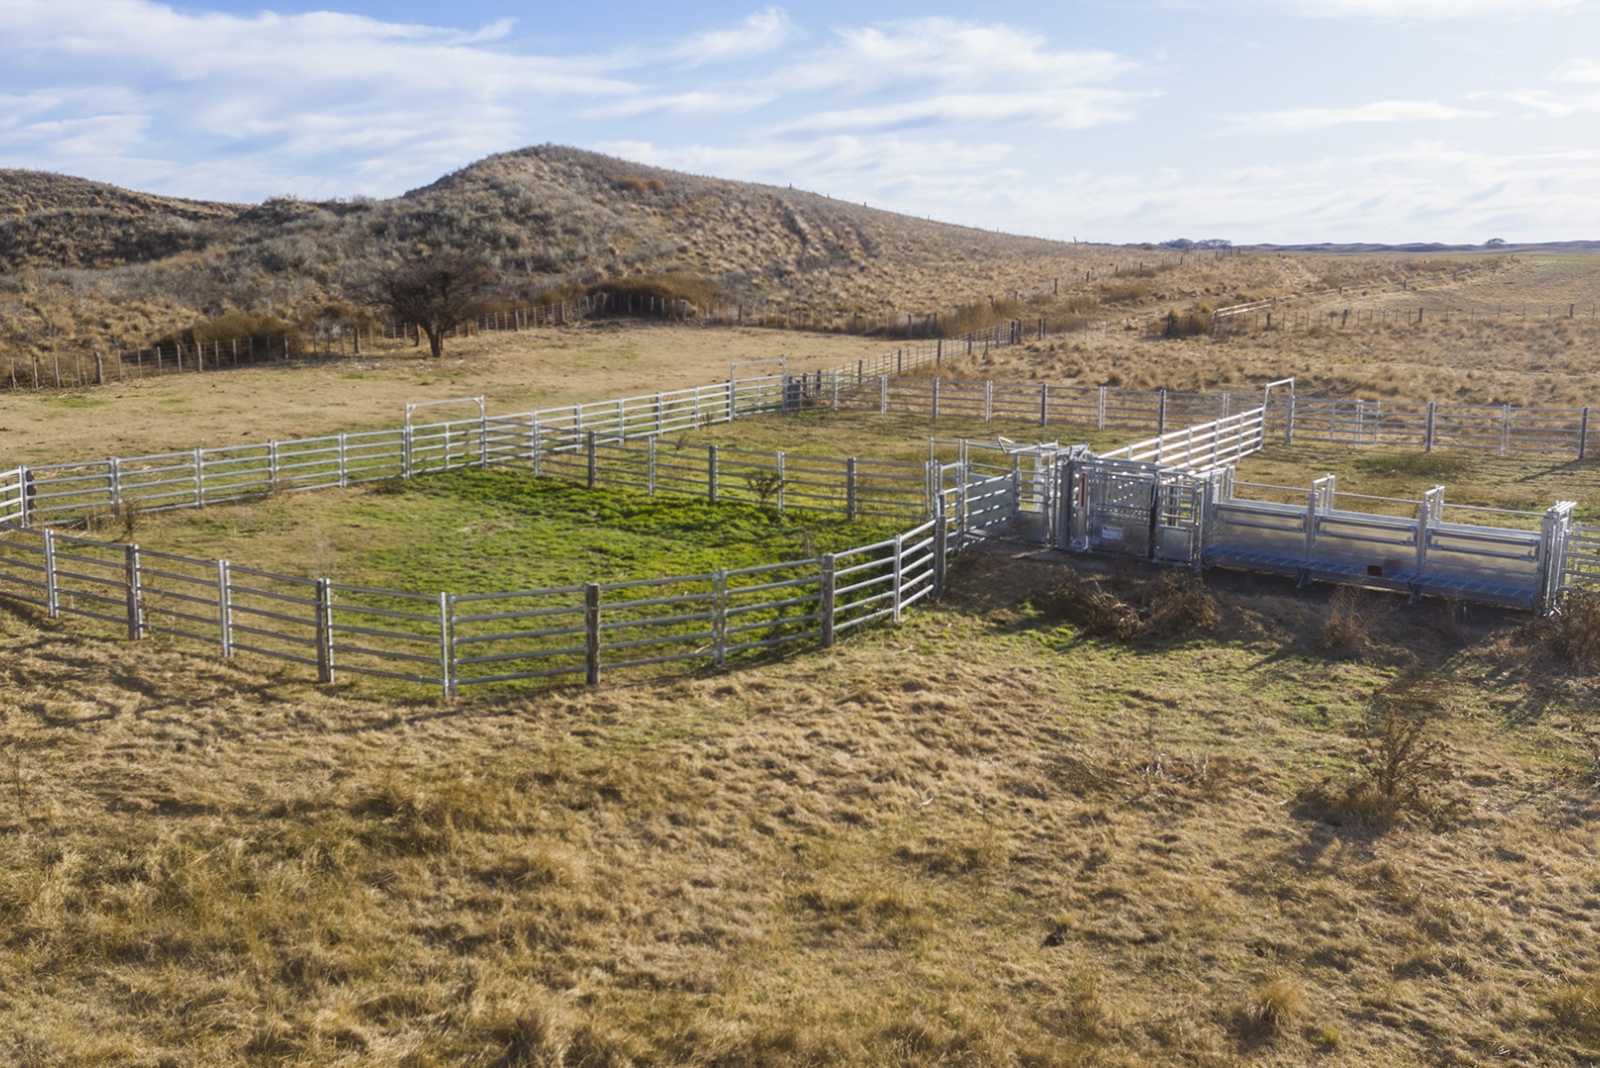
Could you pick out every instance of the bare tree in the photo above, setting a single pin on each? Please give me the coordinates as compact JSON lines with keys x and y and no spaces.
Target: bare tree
{"x":435,"y":291}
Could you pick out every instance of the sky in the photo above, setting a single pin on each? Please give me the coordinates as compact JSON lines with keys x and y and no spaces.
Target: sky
{"x":1254,"y":121}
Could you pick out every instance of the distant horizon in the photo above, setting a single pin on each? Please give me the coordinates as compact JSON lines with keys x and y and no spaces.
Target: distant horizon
{"x":1256,"y":121}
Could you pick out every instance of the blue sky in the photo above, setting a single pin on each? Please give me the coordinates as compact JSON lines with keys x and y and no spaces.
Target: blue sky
{"x":1299,"y":120}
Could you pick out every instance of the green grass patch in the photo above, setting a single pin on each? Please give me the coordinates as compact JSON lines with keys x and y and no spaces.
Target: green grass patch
{"x":472,"y":531}
{"x":1439,"y":466}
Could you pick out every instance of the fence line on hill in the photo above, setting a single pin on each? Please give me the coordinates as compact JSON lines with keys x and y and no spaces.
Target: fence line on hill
{"x":1262,"y":316}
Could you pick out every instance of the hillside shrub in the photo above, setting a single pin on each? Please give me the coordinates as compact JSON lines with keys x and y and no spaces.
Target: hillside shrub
{"x":1573,"y":632}
{"x":1170,"y":606}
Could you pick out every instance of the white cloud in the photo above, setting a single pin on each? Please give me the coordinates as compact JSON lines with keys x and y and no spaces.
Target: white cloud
{"x":1383,"y":111}
{"x":1072,"y":109}
{"x":758,"y":34}
{"x":1426,"y":9}
{"x":691,"y":103}
{"x":1581,"y":71}
{"x":947,"y":51}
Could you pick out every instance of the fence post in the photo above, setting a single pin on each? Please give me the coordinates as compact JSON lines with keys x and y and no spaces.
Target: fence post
{"x":861,"y":376}
{"x":405,"y":454}
{"x":591,"y":633}
{"x":833,"y":381}
{"x":850,"y":488}
{"x":988,"y":400}
{"x":650,"y":466}
{"x":593,"y":459}
{"x":782,"y":477}
{"x":1583,"y":433}
{"x":1044,"y":404}
{"x":733,"y":403}
{"x":711,"y":473}
{"x":447,"y":675}
{"x":483,"y":441}
{"x":1100,"y":409}
{"x":934,"y":405}
{"x":938,"y":352}
{"x":199,"y":479}
{"x":825,"y":608}
{"x":114,"y":483}
{"x":659,"y":415}
{"x":883,"y":394}
{"x":324,"y":630}
{"x":344,"y":463}
{"x":899,"y":540}
{"x":1288,"y":423}
{"x":1428,"y":430}
{"x":52,"y":588}
{"x":135,"y":592}
{"x":719,"y":618}
{"x":1505,"y":429}
{"x":941,"y":547}
{"x":225,"y":607}
{"x":1161,"y":413}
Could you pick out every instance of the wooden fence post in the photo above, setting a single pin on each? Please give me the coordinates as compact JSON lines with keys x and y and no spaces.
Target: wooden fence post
{"x":883,"y":394}
{"x":850,"y":488}
{"x":591,"y":633}
{"x":1100,"y":409}
{"x":135,"y":585}
{"x":1044,"y":404}
{"x":1583,"y":432}
{"x":1429,"y":428}
{"x":825,"y":608}
{"x":1161,"y":412}
{"x":711,"y":473}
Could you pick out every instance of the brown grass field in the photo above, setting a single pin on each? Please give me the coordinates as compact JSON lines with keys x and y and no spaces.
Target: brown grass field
{"x":1069,"y":816}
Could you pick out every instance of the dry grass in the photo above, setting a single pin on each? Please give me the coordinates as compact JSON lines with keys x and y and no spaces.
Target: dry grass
{"x":946,"y":843}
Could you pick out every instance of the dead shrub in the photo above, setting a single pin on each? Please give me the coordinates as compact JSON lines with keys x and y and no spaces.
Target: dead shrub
{"x":1180,"y":603}
{"x":1404,"y":766}
{"x":1273,"y":1009}
{"x":1575,"y":1008}
{"x":1171,"y":606}
{"x":1348,"y":629}
{"x":1573,"y":631}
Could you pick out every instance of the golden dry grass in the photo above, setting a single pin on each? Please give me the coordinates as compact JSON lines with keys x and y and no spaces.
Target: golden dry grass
{"x":977,"y":839}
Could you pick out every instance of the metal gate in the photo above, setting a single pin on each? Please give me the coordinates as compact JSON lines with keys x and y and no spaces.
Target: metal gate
{"x":1132,"y":508}
{"x":1343,"y":422}
{"x":1580,"y":562}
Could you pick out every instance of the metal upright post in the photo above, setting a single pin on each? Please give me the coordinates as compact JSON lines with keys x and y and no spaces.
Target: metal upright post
{"x":593,"y":464}
{"x":1583,"y":434}
{"x":825,"y":607}
{"x":782,"y":478}
{"x":447,"y":674}
{"x":711,"y":473}
{"x":1430,"y":428}
{"x":941,"y":548}
{"x":660,"y":414}
{"x":1044,"y":404}
{"x":650,"y":466}
{"x":114,"y":483}
{"x":850,"y":488}
{"x":719,"y":618}
{"x":199,"y":479}
{"x":324,"y":630}
{"x":225,"y":608}
{"x":52,"y":585}
{"x":933,"y":405}
{"x":899,"y":544}
{"x":344,"y":463}
{"x":988,"y":400}
{"x":134,"y":579}
{"x":1100,"y":409}
{"x":883,"y":394}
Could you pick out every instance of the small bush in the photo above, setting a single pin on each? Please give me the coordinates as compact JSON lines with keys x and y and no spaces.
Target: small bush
{"x":1171,"y":606}
{"x":1403,"y":768}
{"x":1575,"y":1008}
{"x":1273,"y":1009}
{"x":1347,"y":630}
{"x":1573,"y":631}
